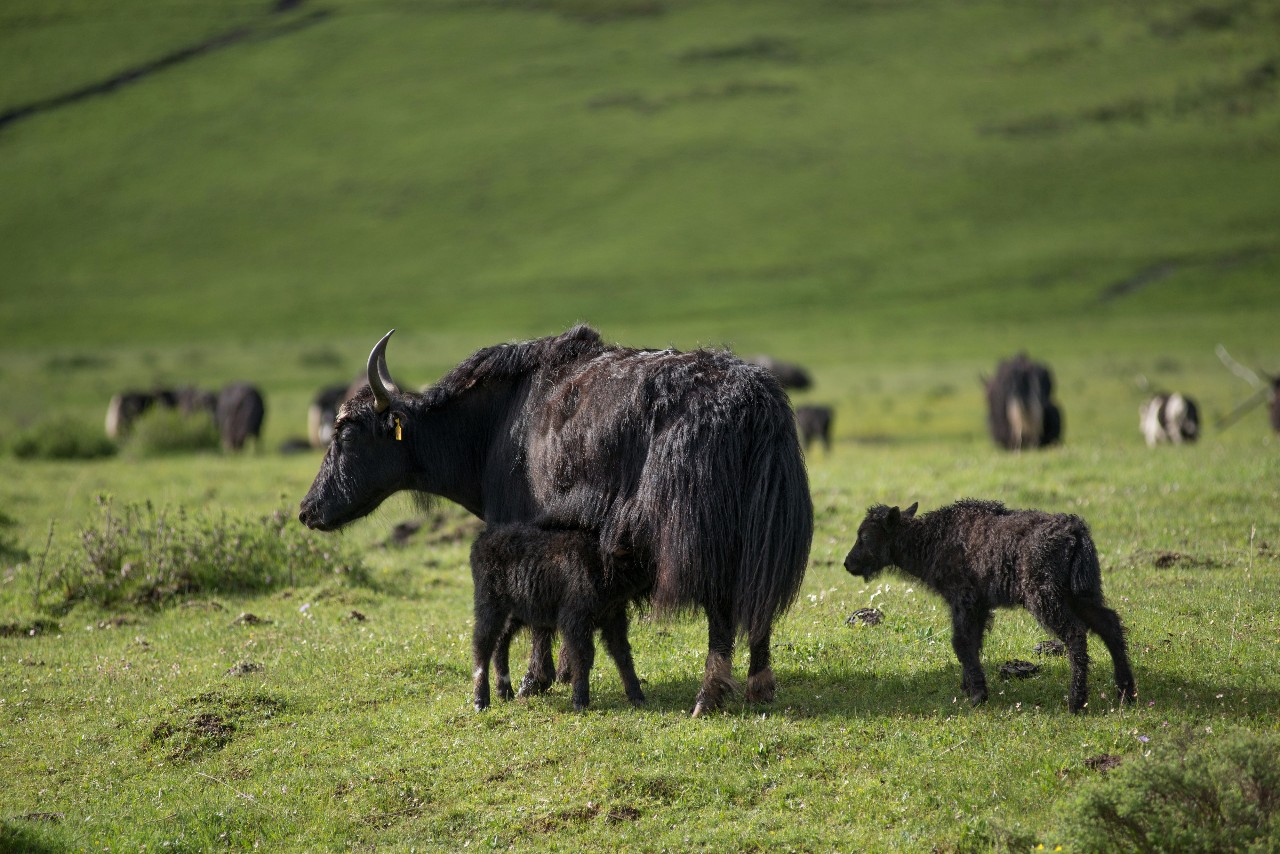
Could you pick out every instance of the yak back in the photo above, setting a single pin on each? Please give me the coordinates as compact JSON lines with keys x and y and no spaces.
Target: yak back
{"x":687,"y":462}
{"x":1001,"y":551}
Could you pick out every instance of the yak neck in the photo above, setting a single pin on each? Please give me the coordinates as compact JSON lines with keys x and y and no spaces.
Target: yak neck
{"x":906,"y":548}
{"x":455,"y":442}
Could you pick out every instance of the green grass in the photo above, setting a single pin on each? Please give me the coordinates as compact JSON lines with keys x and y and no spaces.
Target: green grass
{"x":893,"y":194}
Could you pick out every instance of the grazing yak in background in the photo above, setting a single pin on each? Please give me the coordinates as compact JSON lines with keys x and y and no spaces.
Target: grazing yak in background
{"x":788,"y":375}
{"x":686,"y":464}
{"x":1172,"y":418}
{"x":238,"y":413}
{"x":1020,"y":411}
{"x":126,"y":408}
{"x":237,"y":410}
{"x":980,"y":555}
{"x":323,"y":412}
{"x":815,"y":423}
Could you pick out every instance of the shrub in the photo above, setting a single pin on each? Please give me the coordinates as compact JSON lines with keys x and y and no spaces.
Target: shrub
{"x":168,"y":431}
{"x":1202,"y":794}
{"x":142,"y":555}
{"x":62,"y":438}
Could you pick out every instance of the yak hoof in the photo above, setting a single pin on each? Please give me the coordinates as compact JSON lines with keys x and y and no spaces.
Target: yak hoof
{"x":505,"y":691}
{"x":637,"y":699}
{"x":530,"y":686}
{"x":481,"y":705}
{"x":761,"y":687}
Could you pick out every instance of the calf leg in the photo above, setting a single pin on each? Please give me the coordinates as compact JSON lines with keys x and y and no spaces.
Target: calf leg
{"x":1106,"y":623}
{"x":580,"y":649}
{"x":760,"y":682}
{"x":1062,"y":622}
{"x":968,"y":625}
{"x":490,"y":624}
{"x":542,"y":669}
{"x":717,"y":679}
{"x":613,"y":629}
{"x":502,"y":659}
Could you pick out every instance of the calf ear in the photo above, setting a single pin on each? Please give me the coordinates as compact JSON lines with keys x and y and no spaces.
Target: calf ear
{"x":891,"y":518}
{"x":911,"y":511}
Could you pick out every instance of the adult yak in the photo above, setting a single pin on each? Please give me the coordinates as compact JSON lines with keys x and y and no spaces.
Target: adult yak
{"x":687,"y":463}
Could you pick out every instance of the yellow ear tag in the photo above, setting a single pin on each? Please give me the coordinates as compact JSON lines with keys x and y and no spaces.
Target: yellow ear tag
{"x":399,"y":430}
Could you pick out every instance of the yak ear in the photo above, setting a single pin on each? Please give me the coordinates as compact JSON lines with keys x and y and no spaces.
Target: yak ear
{"x":891,"y":518}
{"x":911,"y":511}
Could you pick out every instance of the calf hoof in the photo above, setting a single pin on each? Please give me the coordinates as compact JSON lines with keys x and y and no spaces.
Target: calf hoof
{"x":481,"y":705}
{"x":761,"y":687}
{"x":505,"y":691}
{"x":564,"y":675}
{"x":637,"y":699}
{"x":977,"y":698}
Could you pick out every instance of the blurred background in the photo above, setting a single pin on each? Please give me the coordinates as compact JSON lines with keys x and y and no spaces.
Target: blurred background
{"x":892,"y":193}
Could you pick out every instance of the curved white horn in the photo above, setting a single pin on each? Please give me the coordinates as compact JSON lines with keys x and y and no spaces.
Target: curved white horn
{"x":379,"y":378}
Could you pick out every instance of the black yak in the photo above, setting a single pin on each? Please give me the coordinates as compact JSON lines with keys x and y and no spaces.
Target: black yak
{"x":688,"y":462}
{"x":1173,"y":418}
{"x":239,"y":412}
{"x":1020,"y":411}
{"x":788,"y":375}
{"x":549,"y":579}
{"x":815,"y":424}
{"x":323,"y":412}
{"x":979,"y":555}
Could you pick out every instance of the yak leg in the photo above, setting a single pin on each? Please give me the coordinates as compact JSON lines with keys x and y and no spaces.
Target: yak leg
{"x":564,"y":673}
{"x":613,"y":629}
{"x":760,"y":682}
{"x":968,"y":625}
{"x":1066,"y":625}
{"x":1106,"y":623}
{"x":537,"y":679}
{"x":717,"y":680}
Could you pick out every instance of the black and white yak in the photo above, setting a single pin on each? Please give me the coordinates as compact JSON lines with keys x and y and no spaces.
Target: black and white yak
{"x":687,"y":463}
{"x":1172,"y":418}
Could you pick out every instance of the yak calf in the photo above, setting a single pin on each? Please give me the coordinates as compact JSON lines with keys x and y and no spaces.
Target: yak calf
{"x":550,"y":579}
{"x":980,"y":555}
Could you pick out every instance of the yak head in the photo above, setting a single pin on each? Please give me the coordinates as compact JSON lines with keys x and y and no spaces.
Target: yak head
{"x":367,"y":459}
{"x":871,"y":551}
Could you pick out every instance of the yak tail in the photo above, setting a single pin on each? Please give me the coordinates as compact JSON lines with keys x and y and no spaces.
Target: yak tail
{"x":1086,"y":574}
{"x":737,"y":528}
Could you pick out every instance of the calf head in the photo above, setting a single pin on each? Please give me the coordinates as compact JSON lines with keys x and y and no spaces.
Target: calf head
{"x":368,"y":458}
{"x":871,"y":551}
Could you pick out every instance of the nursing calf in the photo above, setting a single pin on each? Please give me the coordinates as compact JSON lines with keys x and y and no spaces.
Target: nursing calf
{"x":550,"y":579}
{"x":979,"y":555}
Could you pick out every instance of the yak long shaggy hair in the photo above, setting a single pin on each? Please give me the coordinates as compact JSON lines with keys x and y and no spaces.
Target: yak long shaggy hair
{"x":1020,"y":410}
{"x":688,"y":462}
{"x":550,"y":579}
{"x":980,"y":555}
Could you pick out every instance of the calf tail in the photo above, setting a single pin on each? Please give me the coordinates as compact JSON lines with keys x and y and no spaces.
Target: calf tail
{"x":1085,"y":572}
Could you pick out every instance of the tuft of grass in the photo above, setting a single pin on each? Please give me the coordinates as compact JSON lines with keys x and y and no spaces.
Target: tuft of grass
{"x":168,"y":431}
{"x":210,"y":721}
{"x":10,"y":551}
{"x":62,"y":438}
{"x":140,"y":555}
{"x":1196,"y":793}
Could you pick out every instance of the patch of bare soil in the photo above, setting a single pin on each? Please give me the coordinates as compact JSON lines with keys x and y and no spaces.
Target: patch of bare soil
{"x":244,"y":668}
{"x":209,"y":721}
{"x":1103,"y":762}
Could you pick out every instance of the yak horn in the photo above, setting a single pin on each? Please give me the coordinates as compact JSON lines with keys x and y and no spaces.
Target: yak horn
{"x":380,"y":381}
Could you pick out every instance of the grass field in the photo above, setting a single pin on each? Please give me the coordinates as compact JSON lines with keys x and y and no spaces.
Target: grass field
{"x":893,"y":194}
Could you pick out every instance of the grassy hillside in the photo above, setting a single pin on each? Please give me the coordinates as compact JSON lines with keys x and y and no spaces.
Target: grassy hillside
{"x":893,"y":193}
